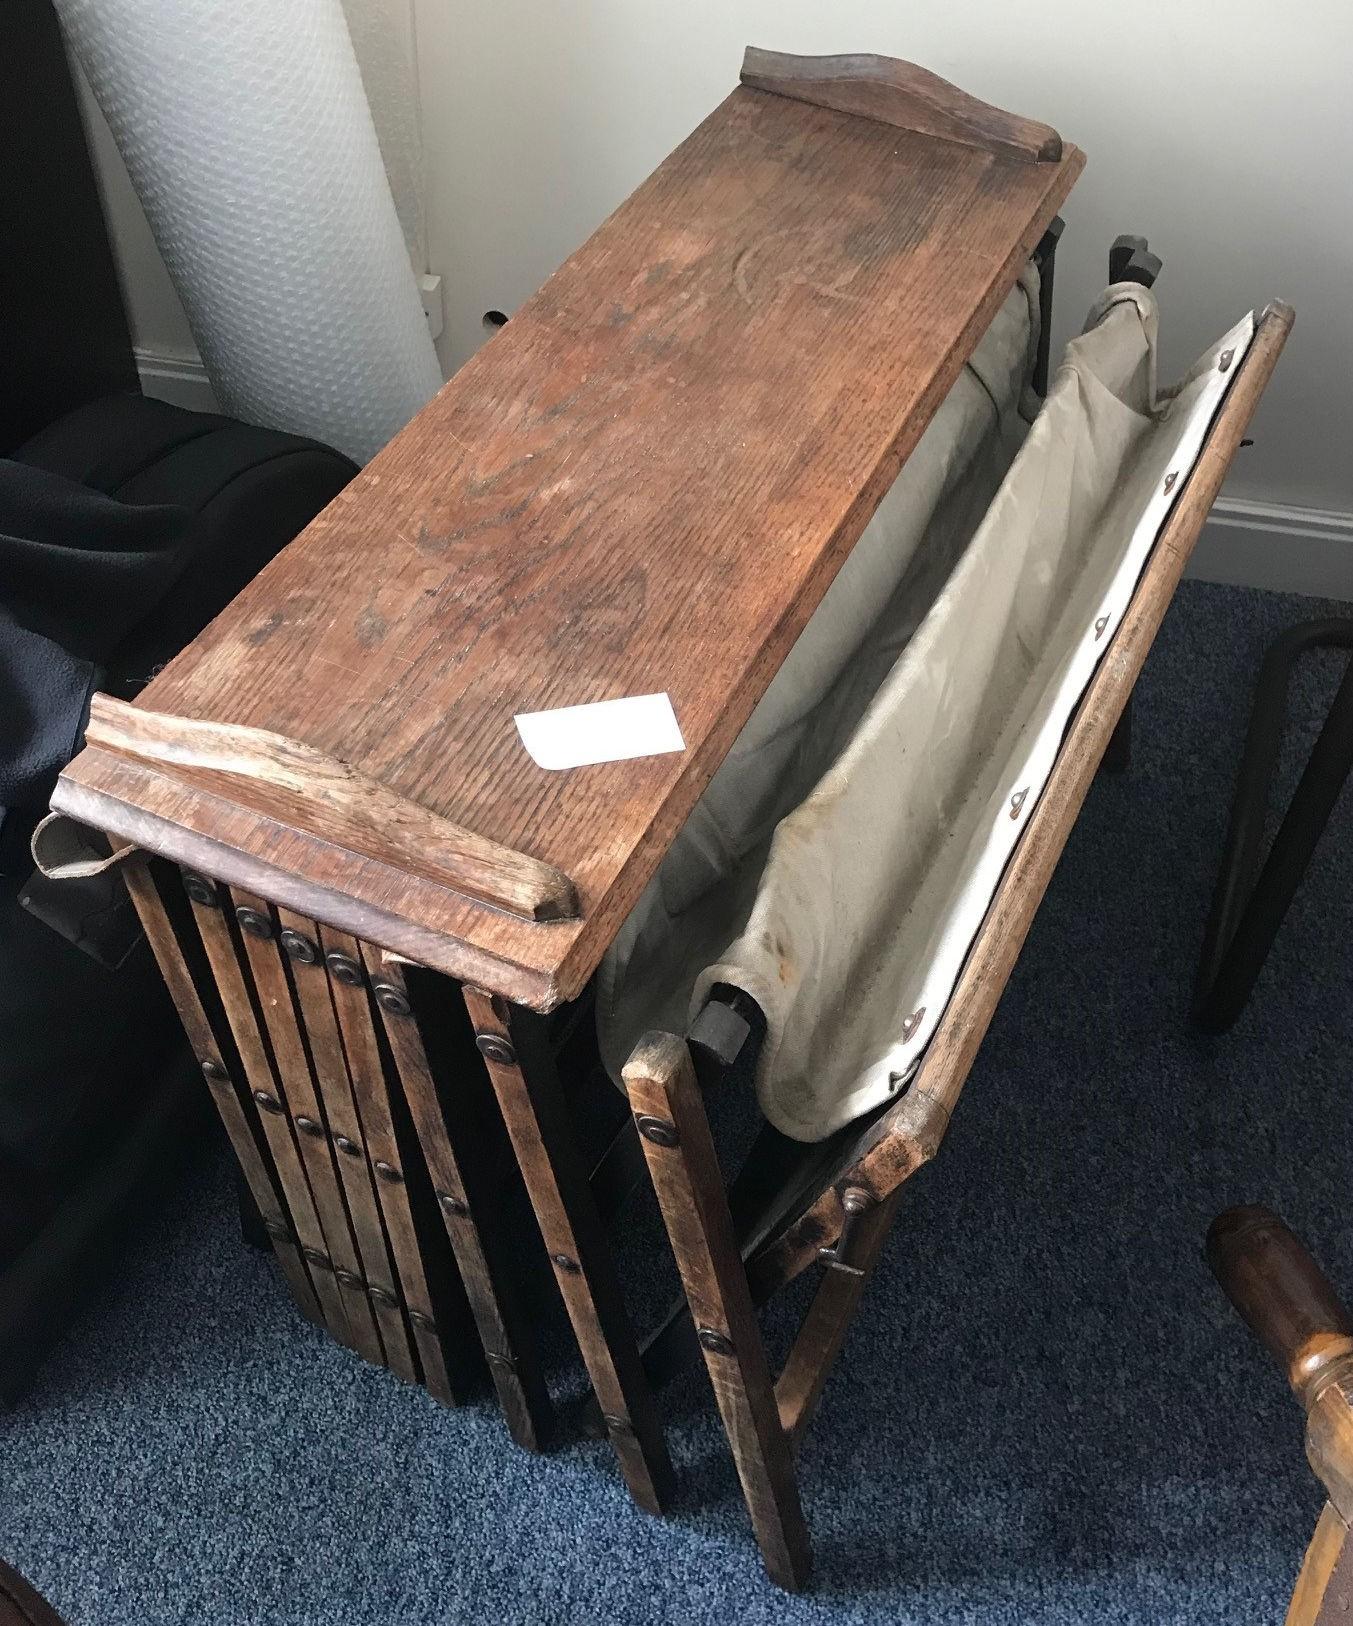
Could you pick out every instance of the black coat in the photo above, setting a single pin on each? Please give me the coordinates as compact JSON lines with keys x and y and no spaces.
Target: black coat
{"x":79,"y":572}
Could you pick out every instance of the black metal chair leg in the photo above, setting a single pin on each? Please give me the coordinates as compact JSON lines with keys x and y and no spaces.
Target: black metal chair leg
{"x":1246,"y":914}
{"x":1045,"y":257}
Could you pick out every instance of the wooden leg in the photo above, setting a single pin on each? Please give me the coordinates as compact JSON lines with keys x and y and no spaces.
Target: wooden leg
{"x":260,"y":936}
{"x":463,"y":1198}
{"x":439,"y":1326}
{"x":681,"y":1158}
{"x":210,"y":1053}
{"x":521,"y":1068}
{"x":819,"y":1341}
{"x":378,"y":1276}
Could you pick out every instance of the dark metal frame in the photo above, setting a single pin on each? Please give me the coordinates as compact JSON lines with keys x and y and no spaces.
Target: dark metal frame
{"x":1247,"y":911}
{"x":1045,"y":258}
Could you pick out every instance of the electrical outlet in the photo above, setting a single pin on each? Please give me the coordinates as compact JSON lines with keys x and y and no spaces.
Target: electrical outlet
{"x":431,"y":289}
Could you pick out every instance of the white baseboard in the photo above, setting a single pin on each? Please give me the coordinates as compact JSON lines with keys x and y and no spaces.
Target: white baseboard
{"x":1278,"y":546}
{"x":181,"y":380}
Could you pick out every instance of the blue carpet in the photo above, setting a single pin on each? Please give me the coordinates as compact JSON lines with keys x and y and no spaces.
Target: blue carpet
{"x":1046,"y":1414}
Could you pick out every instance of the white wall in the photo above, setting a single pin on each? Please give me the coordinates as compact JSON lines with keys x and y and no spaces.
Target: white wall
{"x":158,"y":322}
{"x":1222,"y":132}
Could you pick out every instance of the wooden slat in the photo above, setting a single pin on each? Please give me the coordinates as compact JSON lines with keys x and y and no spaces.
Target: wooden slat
{"x":902,"y":95}
{"x":309,"y":1126}
{"x":367,"y":1073}
{"x":311,"y":982}
{"x":646,"y":482}
{"x":517,"y":1056}
{"x":210,"y":1055}
{"x":269,"y":1097}
{"x":662,"y":1087}
{"x":464,"y":1194}
{"x":909,"y":1134}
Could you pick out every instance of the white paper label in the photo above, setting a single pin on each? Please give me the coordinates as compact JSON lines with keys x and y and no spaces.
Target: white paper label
{"x":641,"y":725}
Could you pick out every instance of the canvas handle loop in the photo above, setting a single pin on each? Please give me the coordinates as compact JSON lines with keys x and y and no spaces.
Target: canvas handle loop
{"x":64,"y":851}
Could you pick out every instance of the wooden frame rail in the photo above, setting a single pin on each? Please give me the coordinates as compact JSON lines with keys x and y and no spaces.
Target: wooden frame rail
{"x":333,"y":803}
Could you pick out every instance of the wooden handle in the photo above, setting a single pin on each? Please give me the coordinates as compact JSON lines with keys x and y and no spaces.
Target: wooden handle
{"x":901,"y":94}
{"x":1281,"y":1293}
{"x":334,"y":803}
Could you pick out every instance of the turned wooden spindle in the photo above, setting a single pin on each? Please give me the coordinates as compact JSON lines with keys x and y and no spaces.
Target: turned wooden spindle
{"x":1287,"y":1301}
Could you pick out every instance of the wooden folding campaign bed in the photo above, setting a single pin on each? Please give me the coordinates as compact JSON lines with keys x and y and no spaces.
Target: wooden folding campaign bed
{"x":414,"y":904}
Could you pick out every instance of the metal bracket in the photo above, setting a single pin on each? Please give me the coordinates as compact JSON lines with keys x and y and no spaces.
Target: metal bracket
{"x":720,"y":1032}
{"x":1130,"y":260}
{"x":855,"y":1203}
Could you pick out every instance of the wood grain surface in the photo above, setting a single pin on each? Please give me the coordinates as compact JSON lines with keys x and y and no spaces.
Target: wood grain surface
{"x":415,"y":1262}
{"x":268,"y":1090}
{"x":521,"y":1068}
{"x":1282,"y":1295}
{"x":1323,"y":1595}
{"x":471,"y":1210}
{"x":644,"y":483}
{"x":283,"y":1029}
{"x":223,"y":1071}
{"x":818,"y":1342}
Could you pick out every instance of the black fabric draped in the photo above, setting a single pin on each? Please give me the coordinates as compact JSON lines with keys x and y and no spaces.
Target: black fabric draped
{"x":79,"y":571}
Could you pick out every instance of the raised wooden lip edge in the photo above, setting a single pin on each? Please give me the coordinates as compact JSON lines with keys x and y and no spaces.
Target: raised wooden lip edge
{"x":166,"y":838}
{"x":908,"y":1134}
{"x":892,"y":91}
{"x":371,"y":821}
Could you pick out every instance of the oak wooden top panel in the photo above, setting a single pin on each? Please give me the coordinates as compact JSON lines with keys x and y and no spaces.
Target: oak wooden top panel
{"x":644,"y":483}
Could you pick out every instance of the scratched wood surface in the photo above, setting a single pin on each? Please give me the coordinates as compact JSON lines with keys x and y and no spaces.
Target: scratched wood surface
{"x":689,"y":1185}
{"x":644,"y":483}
